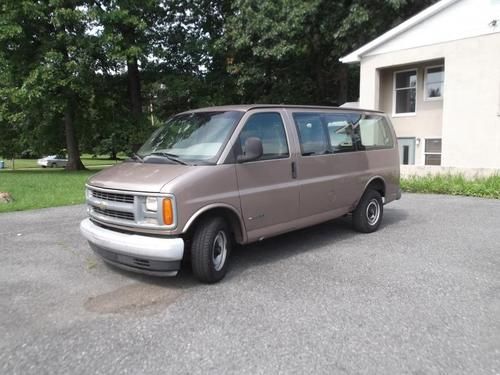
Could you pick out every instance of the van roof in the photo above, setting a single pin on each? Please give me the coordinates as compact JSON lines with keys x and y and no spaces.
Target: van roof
{"x":248,"y":107}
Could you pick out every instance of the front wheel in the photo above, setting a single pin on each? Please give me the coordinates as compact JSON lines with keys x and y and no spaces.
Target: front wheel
{"x":367,"y":216}
{"x":210,"y":249}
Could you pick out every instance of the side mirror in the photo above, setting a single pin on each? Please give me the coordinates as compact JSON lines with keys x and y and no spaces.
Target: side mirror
{"x":253,"y":150}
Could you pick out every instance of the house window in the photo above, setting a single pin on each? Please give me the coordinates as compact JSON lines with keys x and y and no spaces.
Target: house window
{"x":433,"y":151}
{"x":405,"y":92}
{"x":434,"y":82}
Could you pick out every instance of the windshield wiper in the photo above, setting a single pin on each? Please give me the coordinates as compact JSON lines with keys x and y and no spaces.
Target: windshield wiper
{"x":137,"y":157}
{"x":169,"y":156}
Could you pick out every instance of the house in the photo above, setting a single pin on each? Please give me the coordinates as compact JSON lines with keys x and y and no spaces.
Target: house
{"x":438,"y":76}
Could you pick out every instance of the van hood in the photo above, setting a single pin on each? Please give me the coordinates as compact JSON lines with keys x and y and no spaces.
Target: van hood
{"x":143,"y":177}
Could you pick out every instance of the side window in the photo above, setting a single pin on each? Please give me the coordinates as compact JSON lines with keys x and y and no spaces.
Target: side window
{"x":312,"y":134}
{"x":340,"y":131}
{"x":267,"y":126}
{"x":374,"y":132}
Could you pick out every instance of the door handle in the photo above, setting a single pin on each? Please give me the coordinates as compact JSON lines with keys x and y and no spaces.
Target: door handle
{"x":294,"y":170}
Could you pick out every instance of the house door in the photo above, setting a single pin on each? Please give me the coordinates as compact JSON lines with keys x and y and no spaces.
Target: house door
{"x":406,"y":150}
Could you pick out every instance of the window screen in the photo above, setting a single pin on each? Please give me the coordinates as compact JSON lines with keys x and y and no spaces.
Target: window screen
{"x":434,"y":82}
{"x":405,"y":91}
{"x":433,"y":151}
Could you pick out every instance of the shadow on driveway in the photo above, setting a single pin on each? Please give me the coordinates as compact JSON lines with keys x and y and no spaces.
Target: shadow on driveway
{"x":274,"y":249}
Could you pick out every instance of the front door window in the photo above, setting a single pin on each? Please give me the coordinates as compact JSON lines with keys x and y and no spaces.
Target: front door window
{"x":406,"y":151}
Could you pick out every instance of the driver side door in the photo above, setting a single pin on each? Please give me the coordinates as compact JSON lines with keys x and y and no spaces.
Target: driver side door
{"x":268,"y":188}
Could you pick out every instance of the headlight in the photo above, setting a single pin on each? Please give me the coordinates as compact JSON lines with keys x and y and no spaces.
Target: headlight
{"x":152,"y":204}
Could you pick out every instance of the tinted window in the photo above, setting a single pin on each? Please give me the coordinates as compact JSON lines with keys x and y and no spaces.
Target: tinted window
{"x":374,"y":132}
{"x":271,"y":131}
{"x":340,"y":132}
{"x":321,"y":133}
{"x":313,"y":140}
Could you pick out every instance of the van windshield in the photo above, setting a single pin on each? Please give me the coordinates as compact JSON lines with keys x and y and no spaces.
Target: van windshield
{"x":191,"y":138}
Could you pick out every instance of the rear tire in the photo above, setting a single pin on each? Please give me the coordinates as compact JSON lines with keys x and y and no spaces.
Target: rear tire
{"x":210,"y":249}
{"x":367,"y":216}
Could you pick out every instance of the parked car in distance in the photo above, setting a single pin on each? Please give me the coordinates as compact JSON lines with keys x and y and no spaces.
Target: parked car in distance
{"x":214,"y":177}
{"x":53,"y":161}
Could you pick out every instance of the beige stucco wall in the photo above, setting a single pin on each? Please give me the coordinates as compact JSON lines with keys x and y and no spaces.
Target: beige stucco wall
{"x":470,"y":107}
{"x":427,"y":123}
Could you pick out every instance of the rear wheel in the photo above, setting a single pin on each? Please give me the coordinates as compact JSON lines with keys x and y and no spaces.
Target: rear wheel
{"x":210,"y":249}
{"x":367,"y":216}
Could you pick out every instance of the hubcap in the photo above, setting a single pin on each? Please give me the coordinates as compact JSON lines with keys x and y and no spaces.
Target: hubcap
{"x":373,"y":212}
{"x":219,"y":250}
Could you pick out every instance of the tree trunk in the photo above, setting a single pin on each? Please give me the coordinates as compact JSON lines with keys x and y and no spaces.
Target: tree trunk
{"x":343,"y":83}
{"x":134,"y":88}
{"x":74,"y":162}
{"x":317,"y":58}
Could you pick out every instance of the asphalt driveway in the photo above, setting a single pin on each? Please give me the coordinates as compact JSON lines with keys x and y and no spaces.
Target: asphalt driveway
{"x":420,"y":296}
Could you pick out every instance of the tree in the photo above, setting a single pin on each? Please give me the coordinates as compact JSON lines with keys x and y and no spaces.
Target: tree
{"x":131,"y":31}
{"x":288,"y":50}
{"x":49,"y":56}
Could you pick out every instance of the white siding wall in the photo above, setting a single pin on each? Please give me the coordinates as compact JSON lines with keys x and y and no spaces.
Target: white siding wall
{"x":463,"y":19}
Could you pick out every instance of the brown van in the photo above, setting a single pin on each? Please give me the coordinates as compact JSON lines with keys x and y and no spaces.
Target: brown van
{"x":213,"y":177}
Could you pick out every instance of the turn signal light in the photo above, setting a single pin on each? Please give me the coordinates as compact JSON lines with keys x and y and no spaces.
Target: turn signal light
{"x":168,"y":212}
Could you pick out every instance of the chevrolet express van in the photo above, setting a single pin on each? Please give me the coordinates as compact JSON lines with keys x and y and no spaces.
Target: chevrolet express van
{"x":215,"y":177}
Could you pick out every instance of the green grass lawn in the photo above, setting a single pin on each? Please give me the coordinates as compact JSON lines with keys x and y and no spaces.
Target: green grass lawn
{"x":40,"y":188}
{"x":488,"y":187}
{"x":87,"y":160}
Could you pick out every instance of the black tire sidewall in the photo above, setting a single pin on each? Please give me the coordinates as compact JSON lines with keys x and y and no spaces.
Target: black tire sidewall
{"x":201,"y":250}
{"x":360,"y":221}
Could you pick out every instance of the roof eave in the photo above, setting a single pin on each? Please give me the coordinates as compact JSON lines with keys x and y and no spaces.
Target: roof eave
{"x":356,"y":55}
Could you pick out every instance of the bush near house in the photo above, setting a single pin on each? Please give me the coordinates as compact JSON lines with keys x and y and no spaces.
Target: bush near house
{"x":485,"y":187}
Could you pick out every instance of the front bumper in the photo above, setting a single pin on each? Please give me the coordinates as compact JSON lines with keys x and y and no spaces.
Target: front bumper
{"x":158,"y":256}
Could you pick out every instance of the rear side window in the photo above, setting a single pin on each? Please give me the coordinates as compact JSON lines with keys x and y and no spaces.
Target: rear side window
{"x":269,"y":128}
{"x":340,"y":132}
{"x":336,"y":132}
{"x":374,"y":132}
{"x":312,"y":135}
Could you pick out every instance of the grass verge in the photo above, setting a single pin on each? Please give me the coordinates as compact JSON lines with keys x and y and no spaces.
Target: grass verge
{"x":43,"y":188}
{"x":87,"y":160}
{"x":486,"y":187}
{"x":39,"y":188}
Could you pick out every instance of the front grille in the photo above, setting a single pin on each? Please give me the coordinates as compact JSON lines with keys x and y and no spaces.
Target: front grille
{"x":113,"y":213}
{"x":125,"y":198}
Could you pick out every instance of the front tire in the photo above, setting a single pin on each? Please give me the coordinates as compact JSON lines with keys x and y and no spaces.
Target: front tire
{"x":210,"y":249}
{"x":367,"y":216}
